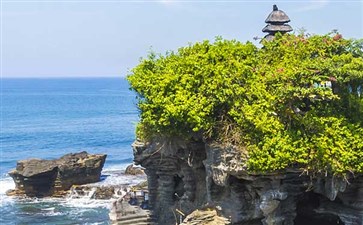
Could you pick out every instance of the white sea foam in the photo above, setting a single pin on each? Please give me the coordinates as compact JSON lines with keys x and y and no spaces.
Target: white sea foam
{"x":115,"y":178}
{"x":121,"y":179}
{"x":87,"y":203}
{"x":112,"y":178}
{"x":5,"y":185}
{"x":118,"y":167}
{"x":51,"y":213}
{"x":49,"y":209}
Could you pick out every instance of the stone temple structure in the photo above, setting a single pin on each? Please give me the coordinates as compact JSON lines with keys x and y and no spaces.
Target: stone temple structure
{"x":276,"y":22}
{"x":201,"y":181}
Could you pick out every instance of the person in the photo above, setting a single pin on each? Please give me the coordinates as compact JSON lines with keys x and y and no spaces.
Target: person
{"x":145,"y":203}
{"x":133,"y":199}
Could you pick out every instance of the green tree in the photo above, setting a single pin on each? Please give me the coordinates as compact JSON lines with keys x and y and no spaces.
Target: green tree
{"x":295,"y":102}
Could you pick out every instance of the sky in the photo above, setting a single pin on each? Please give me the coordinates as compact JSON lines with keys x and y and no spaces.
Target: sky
{"x":67,"y":38}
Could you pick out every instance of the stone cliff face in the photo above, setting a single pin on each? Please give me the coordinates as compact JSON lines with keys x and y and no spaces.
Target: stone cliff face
{"x":40,"y":178}
{"x":185,"y":176}
{"x":175,"y":174}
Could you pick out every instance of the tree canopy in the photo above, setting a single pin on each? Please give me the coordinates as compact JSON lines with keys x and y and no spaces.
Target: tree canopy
{"x":297,"y":101}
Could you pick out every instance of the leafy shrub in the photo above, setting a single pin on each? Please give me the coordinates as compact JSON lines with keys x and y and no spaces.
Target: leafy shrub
{"x":295,"y":102}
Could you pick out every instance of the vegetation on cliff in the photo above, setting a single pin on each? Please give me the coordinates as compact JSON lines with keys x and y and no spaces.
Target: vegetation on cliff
{"x":295,"y":102}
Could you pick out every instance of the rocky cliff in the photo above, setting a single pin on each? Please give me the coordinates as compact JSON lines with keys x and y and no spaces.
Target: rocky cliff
{"x":40,"y":178}
{"x":184,"y":176}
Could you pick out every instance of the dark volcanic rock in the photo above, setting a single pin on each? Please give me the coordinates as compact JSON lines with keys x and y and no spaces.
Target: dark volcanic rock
{"x":186,"y":176}
{"x":40,"y":178}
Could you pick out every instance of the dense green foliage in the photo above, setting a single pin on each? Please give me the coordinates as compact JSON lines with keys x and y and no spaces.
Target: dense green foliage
{"x":295,"y":102}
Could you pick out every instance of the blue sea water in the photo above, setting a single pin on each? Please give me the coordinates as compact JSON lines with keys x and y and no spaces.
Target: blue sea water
{"x":47,"y":118}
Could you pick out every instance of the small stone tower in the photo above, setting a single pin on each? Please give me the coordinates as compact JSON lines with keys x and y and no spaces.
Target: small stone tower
{"x":276,"y":22}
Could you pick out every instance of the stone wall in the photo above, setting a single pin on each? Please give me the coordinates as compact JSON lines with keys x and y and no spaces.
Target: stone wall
{"x":184,"y":176}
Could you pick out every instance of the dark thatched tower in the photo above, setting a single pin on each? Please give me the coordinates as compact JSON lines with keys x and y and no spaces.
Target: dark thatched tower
{"x":276,"y":22}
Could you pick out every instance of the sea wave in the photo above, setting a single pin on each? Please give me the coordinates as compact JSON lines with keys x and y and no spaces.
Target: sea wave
{"x":5,"y":185}
{"x":111,"y":177}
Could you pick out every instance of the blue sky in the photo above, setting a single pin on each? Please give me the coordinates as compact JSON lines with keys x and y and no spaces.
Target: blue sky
{"x":107,"y":38}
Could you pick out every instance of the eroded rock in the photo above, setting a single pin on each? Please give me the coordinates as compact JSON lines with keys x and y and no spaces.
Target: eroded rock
{"x":184,"y":176}
{"x":40,"y":178}
{"x":205,"y":217}
{"x":134,"y":170}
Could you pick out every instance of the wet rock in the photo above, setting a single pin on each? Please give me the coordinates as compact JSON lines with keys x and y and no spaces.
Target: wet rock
{"x":95,"y":192}
{"x":134,"y":170}
{"x":104,"y":192}
{"x":40,"y":178}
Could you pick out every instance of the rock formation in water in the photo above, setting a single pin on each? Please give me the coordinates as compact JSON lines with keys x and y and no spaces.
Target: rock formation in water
{"x":40,"y":178}
{"x":134,"y":170}
{"x":184,"y":176}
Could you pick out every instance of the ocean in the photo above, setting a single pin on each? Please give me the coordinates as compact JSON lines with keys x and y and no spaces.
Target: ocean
{"x":47,"y":118}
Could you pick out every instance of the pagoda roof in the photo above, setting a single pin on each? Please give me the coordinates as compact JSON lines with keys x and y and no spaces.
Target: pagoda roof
{"x":277,"y":28}
{"x":277,"y":16}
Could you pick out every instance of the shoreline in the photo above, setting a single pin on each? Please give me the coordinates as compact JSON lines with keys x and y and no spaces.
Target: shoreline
{"x":54,"y":207}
